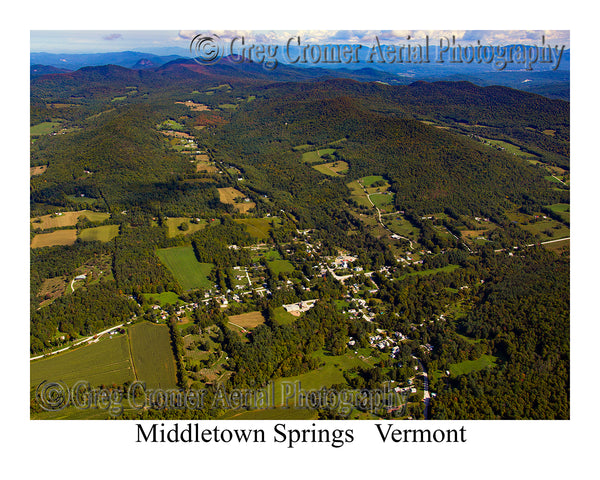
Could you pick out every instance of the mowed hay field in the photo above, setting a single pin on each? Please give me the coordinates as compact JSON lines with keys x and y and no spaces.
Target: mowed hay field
{"x":104,"y":233}
{"x":316,"y":156}
{"x":184,"y":266}
{"x":174,"y":223}
{"x":247,"y":320}
{"x":37,"y":170}
{"x":333,"y":169}
{"x":152,"y":355}
{"x":102,"y":363}
{"x":59,"y":237}
{"x":259,"y":228}
{"x":67,"y":219}
{"x":229,"y":194}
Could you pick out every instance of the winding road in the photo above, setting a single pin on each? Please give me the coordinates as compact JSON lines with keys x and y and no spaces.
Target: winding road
{"x":379,"y":215}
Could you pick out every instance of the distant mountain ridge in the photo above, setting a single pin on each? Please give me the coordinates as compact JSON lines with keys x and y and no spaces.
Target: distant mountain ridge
{"x":553,"y":84}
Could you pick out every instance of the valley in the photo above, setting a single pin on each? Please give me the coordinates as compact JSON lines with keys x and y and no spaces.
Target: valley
{"x":241,"y":231}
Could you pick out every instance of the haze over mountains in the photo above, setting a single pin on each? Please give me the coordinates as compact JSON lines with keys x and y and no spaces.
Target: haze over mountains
{"x":541,"y":79}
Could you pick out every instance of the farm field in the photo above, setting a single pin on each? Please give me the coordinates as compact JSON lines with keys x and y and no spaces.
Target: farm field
{"x":563,"y":209}
{"x":271,"y":414}
{"x":510,"y":148}
{"x":67,"y":219}
{"x":330,"y":373}
{"x":59,"y":237}
{"x":33,"y":171}
{"x":369,"y":180}
{"x":105,"y":233}
{"x":173,"y":224}
{"x":559,"y":247}
{"x":259,"y":228}
{"x":44,"y":128}
{"x":195,"y":107}
{"x":333,"y":169}
{"x":82,"y":201}
{"x":381,"y":199}
{"x":247,"y":320}
{"x":105,"y":362}
{"x":203,"y":164}
{"x":542,"y":229}
{"x":182,"y":263}
{"x":163,"y":299}
{"x":316,"y":156}
{"x":276,"y":264}
{"x":152,"y":355}
{"x":228,"y":195}
{"x":472,"y":365}
{"x":401,"y":226}
{"x":431,"y":271}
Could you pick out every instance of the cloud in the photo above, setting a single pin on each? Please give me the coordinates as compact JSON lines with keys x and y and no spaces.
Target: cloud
{"x":112,"y":36}
{"x":368,"y":37}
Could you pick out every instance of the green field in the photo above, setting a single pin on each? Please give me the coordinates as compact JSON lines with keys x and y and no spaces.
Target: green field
{"x":380,"y":200}
{"x":333,"y":169}
{"x":271,"y":414}
{"x":104,"y":233}
{"x":563,"y":209}
{"x":330,"y":373}
{"x":102,"y":363}
{"x":182,"y":263}
{"x":401,"y":226}
{"x":316,"y":156}
{"x":163,"y":299}
{"x":259,"y":228}
{"x":510,"y":148}
{"x":152,"y":355}
{"x":371,"y":179}
{"x":43,"y":128}
{"x":431,"y":271}
{"x":280,"y":266}
{"x":84,"y":201}
{"x":170,"y":125}
{"x":173,"y":226}
{"x":552,"y":179}
{"x":542,"y":228}
{"x":118,"y":99}
{"x":472,"y":365}
{"x":282,"y":317}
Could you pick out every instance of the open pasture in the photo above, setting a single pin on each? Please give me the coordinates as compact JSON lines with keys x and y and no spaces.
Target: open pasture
{"x":66,"y":219}
{"x":184,"y":266}
{"x":105,"y":233}
{"x":247,"y":320}
{"x":333,"y":169}
{"x":229,"y":195}
{"x":59,"y":237}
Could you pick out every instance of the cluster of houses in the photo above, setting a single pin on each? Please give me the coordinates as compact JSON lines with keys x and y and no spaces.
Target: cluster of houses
{"x":382,"y":340}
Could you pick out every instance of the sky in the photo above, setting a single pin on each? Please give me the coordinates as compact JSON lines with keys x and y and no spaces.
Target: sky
{"x":154,"y":41}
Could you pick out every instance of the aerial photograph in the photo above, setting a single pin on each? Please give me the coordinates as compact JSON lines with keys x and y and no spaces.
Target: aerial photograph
{"x":299,"y":225}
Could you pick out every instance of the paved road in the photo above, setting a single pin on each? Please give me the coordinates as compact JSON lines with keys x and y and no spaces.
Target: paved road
{"x":426,"y":395}
{"x":85,"y":340}
{"x":541,"y":243}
